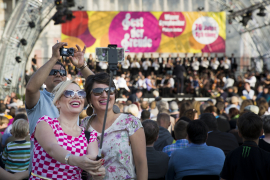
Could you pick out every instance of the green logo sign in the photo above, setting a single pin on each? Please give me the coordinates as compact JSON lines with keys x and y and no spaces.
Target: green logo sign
{"x":246,"y":151}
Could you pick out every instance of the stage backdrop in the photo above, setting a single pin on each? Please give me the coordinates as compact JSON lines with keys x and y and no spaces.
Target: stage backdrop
{"x":187,"y":32}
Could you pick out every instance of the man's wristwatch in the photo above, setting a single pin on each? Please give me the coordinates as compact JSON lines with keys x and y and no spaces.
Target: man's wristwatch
{"x":82,"y":67}
{"x":67,"y":157}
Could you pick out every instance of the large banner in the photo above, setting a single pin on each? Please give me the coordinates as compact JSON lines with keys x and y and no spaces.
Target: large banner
{"x":164,"y":32}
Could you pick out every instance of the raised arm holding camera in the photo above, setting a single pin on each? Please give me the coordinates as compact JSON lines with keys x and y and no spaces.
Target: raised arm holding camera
{"x":39,"y":103}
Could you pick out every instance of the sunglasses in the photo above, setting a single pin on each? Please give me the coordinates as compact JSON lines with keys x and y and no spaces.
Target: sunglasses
{"x":55,"y":71}
{"x":70,"y":94}
{"x":99,"y":91}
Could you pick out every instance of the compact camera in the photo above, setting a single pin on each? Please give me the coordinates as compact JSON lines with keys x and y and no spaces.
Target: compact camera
{"x":66,"y":52}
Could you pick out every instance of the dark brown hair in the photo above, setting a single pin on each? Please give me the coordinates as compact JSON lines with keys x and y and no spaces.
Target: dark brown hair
{"x":100,"y":78}
{"x":185,"y":106}
{"x":210,"y":109}
{"x":180,"y":129}
{"x":151,"y":131}
{"x":233,"y":112}
{"x":190,"y":113}
{"x":250,"y":126}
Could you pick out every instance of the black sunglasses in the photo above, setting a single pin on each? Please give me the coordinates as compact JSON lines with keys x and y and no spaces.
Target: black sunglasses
{"x":99,"y":91}
{"x":70,"y":94}
{"x":55,"y":71}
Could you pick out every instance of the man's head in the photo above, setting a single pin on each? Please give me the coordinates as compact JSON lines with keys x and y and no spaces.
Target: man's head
{"x":55,"y":77}
{"x":234,"y":100}
{"x":145,"y":115}
{"x":145,"y":105}
{"x":250,"y":126}
{"x":265,"y":90}
{"x":203,"y":107}
{"x":163,"y":120}
{"x":139,"y":93}
{"x":3,"y":123}
{"x":180,"y":129}
{"x":220,"y":107}
{"x":210,"y":120}
{"x":197,"y":132}
{"x":151,"y":131}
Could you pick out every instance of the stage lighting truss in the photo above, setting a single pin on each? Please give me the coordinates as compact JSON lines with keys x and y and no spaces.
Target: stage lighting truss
{"x":21,"y":32}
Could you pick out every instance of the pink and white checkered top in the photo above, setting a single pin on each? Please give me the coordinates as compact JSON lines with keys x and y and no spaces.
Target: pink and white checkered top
{"x":46,"y":166}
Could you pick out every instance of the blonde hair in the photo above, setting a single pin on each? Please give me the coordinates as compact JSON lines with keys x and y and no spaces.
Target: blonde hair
{"x":3,"y":120}
{"x":60,"y":88}
{"x":20,"y":128}
{"x":133,"y":109}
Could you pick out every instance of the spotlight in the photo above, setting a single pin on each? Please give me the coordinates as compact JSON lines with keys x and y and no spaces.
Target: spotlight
{"x":200,"y":8}
{"x":18,"y":59}
{"x":246,"y":17}
{"x":58,"y":18}
{"x":70,"y":3}
{"x":32,"y":24}
{"x":23,"y":42}
{"x":230,"y":11}
{"x":262,"y":13}
{"x":69,"y":15}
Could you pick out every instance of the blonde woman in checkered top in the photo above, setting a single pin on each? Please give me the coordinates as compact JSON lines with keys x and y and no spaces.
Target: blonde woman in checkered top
{"x":60,"y":145}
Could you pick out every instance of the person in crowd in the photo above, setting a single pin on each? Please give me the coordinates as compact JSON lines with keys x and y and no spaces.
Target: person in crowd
{"x":153,"y":109}
{"x":157,"y":161}
{"x":204,"y":64}
{"x":135,"y":66}
{"x":149,"y":85}
{"x":251,"y":79}
{"x":3,"y":123}
{"x":180,"y":133}
{"x":265,"y":94}
{"x":195,"y":65}
{"x":234,"y":104}
{"x":16,"y":155}
{"x":7,"y":134}
{"x":191,"y":160}
{"x":222,"y":121}
{"x":146,"y":65}
{"x":248,"y":92}
{"x":244,"y":104}
{"x":214,"y":65}
{"x":226,"y":65}
{"x":179,"y":72}
{"x":63,"y":160}
{"x":122,"y":85}
{"x":155,"y":66}
{"x":174,"y":110}
{"x":164,"y":136}
{"x":125,"y":65}
{"x":186,"y":105}
{"x":124,"y":129}
{"x":225,"y":141}
{"x":133,"y":110}
{"x":264,"y":143}
{"x":39,"y":103}
{"x":136,"y":96}
{"x":191,"y":114}
{"x":247,"y":161}
{"x":145,"y":115}
{"x":234,"y":114}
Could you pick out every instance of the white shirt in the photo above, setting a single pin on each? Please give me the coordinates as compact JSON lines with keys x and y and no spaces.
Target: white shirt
{"x":249,"y":95}
{"x":125,"y":64}
{"x":226,"y":64}
{"x":116,"y":83}
{"x":160,"y":60}
{"x":145,"y":65}
{"x":195,"y":65}
{"x":205,"y":64}
{"x":122,"y":83}
{"x":135,"y":65}
{"x":228,"y":82}
{"x":251,"y":81}
{"x":141,"y":84}
{"x":171,"y":81}
{"x":155,"y":66}
{"x":103,"y":65}
{"x":214,"y":65}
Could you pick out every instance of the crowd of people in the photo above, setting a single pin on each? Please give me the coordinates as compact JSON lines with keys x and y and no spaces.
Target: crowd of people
{"x":56,"y":132}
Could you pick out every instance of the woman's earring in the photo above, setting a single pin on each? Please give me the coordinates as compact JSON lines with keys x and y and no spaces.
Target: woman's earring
{"x":116,"y":109}
{"x":89,"y":110}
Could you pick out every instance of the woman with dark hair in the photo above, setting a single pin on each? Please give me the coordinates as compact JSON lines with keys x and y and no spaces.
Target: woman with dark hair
{"x":264,"y":143}
{"x":234,"y":115}
{"x":124,"y":139}
{"x":192,"y":114}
